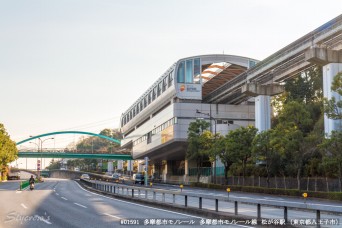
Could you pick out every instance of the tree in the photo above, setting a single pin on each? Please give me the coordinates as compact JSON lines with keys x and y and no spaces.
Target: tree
{"x":99,"y":145}
{"x":197,"y":145}
{"x":333,"y":108}
{"x":292,"y":137}
{"x":8,"y":150}
{"x":241,"y":140}
{"x":223,"y":147}
{"x":306,"y":87}
{"x":333,"y":149}
{"x":263,"y":150}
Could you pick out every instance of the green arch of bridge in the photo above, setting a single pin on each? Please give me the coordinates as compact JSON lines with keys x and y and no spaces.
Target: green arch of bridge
{"x":70,"y":132}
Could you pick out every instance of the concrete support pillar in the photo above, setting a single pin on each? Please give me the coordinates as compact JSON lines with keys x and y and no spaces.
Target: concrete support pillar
{"x":186,"y":171}
{"x":263,"y":112}
{"x":329,"y":72}
{"x":120,"y":164}
{"x":164,"y":175}
{"x":140,"y":167}
{"x":110,"y":166}
{"x":129,"y":166}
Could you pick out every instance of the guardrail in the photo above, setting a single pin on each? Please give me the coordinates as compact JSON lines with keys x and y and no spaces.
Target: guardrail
{"x":129,"y":191}
{"x":24,"y":184}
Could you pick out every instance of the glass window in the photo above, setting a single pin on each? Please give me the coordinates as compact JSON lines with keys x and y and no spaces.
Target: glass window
{"x":149,"y":97}
{"x":164,"y":83}
{"x":154,"y":93}
{"x":159,"y":89}
{"x":170,"y":78}
{"x":189,"y":71}
{"x":197,"y":68}
{"x":180,"y":72}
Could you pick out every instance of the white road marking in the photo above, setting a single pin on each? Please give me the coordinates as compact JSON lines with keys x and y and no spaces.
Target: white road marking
{"x":23,"y":205}
{"x":64,"y":198}
{"x":57,"y":194}
{"x":138,"y":204}
{"x":46,"y":221}
{"x":80,"y":205}
{"x":112,"y":216}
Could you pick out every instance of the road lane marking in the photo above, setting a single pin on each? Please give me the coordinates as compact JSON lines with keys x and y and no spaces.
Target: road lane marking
{"x":23,"y":205}
{"x":80,"y":205}
{"x":112,"y":216}
{"x":64,"y":198}
{"x":57,"y":194}
{"x":46,"y":221}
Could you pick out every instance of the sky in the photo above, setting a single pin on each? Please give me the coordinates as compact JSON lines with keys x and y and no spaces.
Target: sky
{"x":79,"y":64}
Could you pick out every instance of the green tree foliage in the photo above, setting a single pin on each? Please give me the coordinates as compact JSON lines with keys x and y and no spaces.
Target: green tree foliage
{"x":54,"y":165}
{"x":333,"y":149}
{"x":8,"y":150}
{"x":224,"y":148}
{"x":332,"y":107}
{"x":99,"y":145}
{"x":306,"y":87}
{"x":263,"y":151}
{"x":240,"y":140}
{"x":198,"y":143}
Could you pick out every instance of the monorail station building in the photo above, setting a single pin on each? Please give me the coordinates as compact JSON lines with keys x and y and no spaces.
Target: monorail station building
{"x":156,"y":125}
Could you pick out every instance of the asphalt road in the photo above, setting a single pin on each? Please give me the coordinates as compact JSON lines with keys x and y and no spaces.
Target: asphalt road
{"x":64,"y":203}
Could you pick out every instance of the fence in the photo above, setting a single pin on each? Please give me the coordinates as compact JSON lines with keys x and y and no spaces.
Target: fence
{"x":315,"y":184}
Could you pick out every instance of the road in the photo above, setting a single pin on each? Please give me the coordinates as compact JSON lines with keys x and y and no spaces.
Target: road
{"x":64,"y":203}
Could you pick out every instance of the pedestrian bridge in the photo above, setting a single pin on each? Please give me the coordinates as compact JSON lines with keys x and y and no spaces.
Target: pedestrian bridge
{"x":65,"y":154}
{"x":29,"y":154}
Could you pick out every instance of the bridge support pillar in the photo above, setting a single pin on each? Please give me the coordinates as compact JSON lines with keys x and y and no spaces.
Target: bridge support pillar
{"x":110,"y":166}
{"x":186,"y":171}
{"x":129,"y":167}
{"x":262,"y":94}
{"x":120,"y":164}
{"x":329,"y":72}
{"x":263,"y":112}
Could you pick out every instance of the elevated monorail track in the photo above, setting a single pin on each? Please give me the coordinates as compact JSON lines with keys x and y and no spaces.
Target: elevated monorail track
{"x":282,"y":65}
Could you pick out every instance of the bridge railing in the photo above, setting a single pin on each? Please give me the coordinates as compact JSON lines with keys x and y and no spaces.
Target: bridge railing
{"x":159,"y":196}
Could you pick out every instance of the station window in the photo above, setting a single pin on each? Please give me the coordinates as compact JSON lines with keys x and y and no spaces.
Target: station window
{"x":181,"y":72}
{"x":145,"y":101}
{"x":197,"y":68}
{"x":164,"y":84}
{"x":149,"y":97}
{"x":159,"y":89}
{"x":189,"y":71}
{"x":149,"y":137}
{"x":154,"y":93}
{"x":170,"y":79}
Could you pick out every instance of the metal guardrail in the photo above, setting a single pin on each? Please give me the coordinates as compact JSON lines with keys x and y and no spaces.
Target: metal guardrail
{"x":24,"y":184}
{"x":129,"y":191}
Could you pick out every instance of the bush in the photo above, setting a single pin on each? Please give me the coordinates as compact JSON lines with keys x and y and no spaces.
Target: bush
{"x":273,"y":191}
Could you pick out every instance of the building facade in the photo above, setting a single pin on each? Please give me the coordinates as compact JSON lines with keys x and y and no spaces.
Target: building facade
{"x":156,"y":125}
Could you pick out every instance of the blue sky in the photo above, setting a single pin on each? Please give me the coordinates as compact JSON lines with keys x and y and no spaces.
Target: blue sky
{"x":77,"y":64}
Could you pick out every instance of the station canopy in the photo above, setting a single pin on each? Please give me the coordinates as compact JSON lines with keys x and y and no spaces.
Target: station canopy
{"x":216,"y":74}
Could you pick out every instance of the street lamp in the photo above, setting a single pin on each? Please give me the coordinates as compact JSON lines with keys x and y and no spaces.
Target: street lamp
{"x":41,"y":150}
{"x":211,"y":118}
